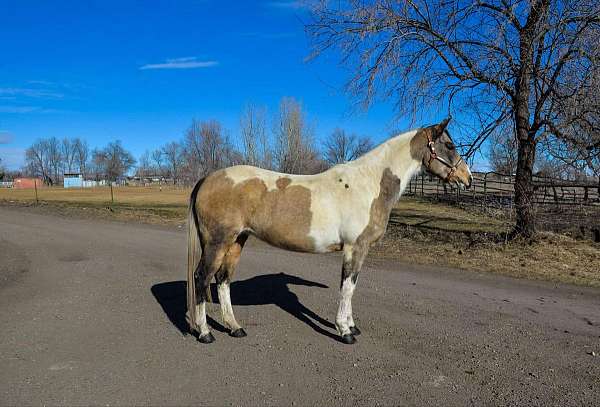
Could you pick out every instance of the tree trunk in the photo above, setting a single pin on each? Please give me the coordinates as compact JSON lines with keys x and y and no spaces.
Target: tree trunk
{"x":524,"y":193}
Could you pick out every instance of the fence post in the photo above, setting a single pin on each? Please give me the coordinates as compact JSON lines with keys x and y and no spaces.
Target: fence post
{"x":484,"y":202}
{"x":457,"y":195}
{"x":112,"y":198}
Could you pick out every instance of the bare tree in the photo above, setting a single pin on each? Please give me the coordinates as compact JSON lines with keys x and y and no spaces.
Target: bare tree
{"x":503,"y":150}
{"x":97,"y":164}
{"x":54,"y":158}
{"x":173,"y":155}
{"x":144,"y":168}
{"x":81,"y":153}
{"x":294,"y":146}
{"x":341,"y":147}
{"x":518,"y":61}
{"x":256,"y":146}
{"x":157,"y":161}
{"x":67,"y":154}
{"x":206,"y":147}
{"x":113,"y":161}
{"x":37,"y":161}
{"x":2,"y":170}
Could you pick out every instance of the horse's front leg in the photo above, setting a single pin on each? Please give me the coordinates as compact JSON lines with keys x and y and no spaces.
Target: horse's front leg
{"x":354,"y":256}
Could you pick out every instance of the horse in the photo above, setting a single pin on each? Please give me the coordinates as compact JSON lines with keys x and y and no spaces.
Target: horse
{"x":345,"y":208}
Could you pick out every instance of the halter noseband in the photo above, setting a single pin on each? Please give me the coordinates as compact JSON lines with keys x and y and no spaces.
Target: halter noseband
{"x":433,"y":156}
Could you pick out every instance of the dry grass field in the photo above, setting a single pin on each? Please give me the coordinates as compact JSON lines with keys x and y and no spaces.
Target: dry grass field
{"x":420,"y":232}
{"x":165,"y":195}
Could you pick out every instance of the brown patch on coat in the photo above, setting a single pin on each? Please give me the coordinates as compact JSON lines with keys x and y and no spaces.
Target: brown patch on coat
{"x":381,"y":207}
{"x":418,"y":144}
{"x":282,"y":183}
{"x":281,"y":217}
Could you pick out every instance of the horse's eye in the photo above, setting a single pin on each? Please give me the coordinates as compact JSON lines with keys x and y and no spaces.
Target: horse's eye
{"x":450,"y":146}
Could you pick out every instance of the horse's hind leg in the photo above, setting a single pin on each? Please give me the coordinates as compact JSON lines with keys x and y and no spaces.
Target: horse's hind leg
{"x":212,"y":258}
{"x":224,"y":277}
{"x":354,"y":256}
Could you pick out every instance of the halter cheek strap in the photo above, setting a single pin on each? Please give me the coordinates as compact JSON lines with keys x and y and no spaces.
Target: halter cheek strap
{"x":433,"y":156}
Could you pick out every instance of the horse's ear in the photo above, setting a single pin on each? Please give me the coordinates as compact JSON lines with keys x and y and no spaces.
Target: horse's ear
{"x":439,"y":129}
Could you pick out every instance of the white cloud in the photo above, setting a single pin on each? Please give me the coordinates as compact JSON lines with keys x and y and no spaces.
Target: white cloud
{"x":45,"y":83}
{"x":181,"y":63}
{"x":18,"y":109}
{"x":13,"y":109}
{"x":30,"y":93}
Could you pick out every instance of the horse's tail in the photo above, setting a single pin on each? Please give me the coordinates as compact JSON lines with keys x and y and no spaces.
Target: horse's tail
{"x":194,"y":254}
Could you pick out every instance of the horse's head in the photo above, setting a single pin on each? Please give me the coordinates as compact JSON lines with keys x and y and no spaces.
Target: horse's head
{"x":441,"y":158}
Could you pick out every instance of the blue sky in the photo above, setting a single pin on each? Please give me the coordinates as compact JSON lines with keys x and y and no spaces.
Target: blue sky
{"x":140,"y":71}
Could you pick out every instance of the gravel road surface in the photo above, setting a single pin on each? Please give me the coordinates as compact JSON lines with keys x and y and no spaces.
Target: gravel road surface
{"x":92,"y":313}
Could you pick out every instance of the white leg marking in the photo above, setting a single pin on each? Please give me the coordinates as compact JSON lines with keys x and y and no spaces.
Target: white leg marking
{"x":350,"y":317}
{"x":201,"y":318}
{"x":226,"y":307}
{"x":345,"y":309}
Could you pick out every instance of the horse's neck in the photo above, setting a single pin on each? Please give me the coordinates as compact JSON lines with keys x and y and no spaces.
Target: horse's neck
{"x":394,"y":154}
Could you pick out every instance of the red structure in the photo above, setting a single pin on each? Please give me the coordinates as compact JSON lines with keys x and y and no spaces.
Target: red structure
{"x":28,"y":183}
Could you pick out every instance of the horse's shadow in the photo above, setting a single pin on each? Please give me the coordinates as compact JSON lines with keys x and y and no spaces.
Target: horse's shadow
{"x":259,"y":290}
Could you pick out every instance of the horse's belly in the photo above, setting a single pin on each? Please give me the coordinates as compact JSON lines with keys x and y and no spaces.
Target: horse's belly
{"x":297,"y":239}
{"x":292,"y":241}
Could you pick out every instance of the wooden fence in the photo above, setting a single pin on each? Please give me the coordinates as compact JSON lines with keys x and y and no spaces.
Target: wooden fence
{"x":491,"y":189}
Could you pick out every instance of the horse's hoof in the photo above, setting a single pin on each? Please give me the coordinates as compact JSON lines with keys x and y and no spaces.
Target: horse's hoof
{"x":208,"y":338}
{"x":355,"y":331}
{"x":238,"y":333}
{"x":348,"y":339}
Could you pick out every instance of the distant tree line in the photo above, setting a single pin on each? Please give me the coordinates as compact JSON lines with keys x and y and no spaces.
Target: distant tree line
{"x":284,"y":142}
{"x":51,"y":158}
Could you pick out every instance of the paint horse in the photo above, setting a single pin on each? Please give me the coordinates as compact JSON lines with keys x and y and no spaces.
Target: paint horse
{"x":344,"y":208}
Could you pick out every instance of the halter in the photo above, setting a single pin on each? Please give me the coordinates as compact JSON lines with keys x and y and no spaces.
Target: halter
{"x":433,"y":156}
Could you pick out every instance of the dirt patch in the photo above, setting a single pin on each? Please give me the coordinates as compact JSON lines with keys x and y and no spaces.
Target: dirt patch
{"x":14,"y":262}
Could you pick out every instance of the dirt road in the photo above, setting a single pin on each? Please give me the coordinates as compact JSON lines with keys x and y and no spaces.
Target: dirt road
{"x":93,"y":313}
